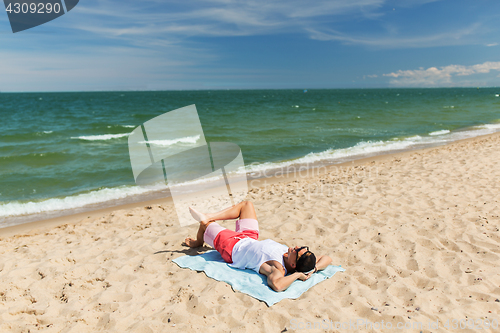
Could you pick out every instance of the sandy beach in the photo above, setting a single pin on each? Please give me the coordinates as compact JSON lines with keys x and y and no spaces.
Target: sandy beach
{"x":417,"y":232}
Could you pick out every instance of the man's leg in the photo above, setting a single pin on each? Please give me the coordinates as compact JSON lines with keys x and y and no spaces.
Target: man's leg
{"x":199,"y":236}
{"x":243,"y":210}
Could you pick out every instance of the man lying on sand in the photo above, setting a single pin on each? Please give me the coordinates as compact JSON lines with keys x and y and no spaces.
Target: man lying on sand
{"x":282,"y":265}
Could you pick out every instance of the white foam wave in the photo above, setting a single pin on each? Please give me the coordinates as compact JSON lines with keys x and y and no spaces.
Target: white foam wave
{"x":165,"y":143}
{"x":488,"y":126}
{"x":71,"y":202}
{"x":101,"y":137}
{"x":362,"y":148}
{"x":47,"y":132}
{"x":439,"y":132}
{"x":376,"y":147}
{"x":126,"y":126}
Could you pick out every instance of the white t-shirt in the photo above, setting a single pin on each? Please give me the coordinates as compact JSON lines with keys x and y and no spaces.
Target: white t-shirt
{"x":250,"y":253}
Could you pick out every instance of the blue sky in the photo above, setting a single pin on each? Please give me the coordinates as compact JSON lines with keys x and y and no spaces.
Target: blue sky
{"x":230,"y":44}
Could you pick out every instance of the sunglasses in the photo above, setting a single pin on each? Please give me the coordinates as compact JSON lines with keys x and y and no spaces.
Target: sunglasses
{"x":300,"y":249}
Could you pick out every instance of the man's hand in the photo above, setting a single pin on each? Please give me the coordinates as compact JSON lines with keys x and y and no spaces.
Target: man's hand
{"x":303,"y":277}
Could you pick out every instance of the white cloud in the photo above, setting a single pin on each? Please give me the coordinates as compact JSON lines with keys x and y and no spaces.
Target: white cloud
{"x":442,"y":76}
{"x":492,"y":44}
{"x":212,"y":17}
{"x":437,"y":39}
{"x":154,"y":19}
{"x":412,"y":3}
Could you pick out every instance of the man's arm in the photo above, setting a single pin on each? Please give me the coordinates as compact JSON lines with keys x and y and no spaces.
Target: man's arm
{"x":276,"y":279}
{"x":322,"y":262}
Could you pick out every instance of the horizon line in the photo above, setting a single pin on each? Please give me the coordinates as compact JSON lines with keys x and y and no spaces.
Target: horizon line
{"x":241,"y":89}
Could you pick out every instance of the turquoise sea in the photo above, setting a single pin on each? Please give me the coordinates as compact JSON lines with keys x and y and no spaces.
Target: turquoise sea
{"x":66,"y":152}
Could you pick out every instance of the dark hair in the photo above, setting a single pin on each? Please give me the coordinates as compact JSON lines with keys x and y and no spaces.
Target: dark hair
{"x":306,"y":262}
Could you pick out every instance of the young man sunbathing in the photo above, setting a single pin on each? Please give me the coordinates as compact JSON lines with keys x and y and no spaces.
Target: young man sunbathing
{"x":282,"y":265}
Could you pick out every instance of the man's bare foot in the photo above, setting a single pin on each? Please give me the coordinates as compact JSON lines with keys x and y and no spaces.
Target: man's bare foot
{"x":192,"y":242}
{"x":197,"y":215}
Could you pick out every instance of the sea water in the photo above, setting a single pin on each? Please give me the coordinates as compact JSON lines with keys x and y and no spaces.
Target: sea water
{"x":66,"y":152}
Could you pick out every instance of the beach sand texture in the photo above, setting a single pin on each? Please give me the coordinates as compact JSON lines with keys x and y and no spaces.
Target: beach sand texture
{"x":417,"y":232}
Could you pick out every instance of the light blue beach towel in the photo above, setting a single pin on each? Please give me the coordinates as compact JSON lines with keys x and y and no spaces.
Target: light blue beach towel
{"x":248,"y":281}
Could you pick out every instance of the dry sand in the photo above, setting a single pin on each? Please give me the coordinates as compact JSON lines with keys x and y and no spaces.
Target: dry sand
{"x":417,"y":232}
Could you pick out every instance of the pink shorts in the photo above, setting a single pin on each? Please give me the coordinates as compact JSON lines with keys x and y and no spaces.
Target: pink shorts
{"x":223,"y":240}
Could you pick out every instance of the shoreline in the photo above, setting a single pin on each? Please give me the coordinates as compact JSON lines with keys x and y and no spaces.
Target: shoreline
{"x":45,"y":224}
{"x":138,"y":199}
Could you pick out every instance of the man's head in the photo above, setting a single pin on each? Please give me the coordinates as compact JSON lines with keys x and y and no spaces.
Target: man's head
{"x":301,"y":259}
{"x":306,"y":262}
